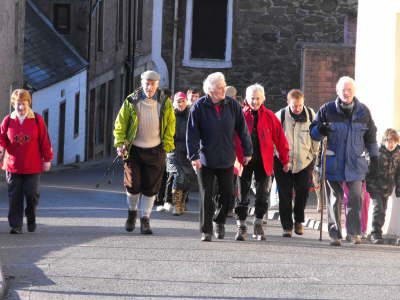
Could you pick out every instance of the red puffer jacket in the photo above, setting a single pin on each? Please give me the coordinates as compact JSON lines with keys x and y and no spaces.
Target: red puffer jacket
{"x":270,"y":133}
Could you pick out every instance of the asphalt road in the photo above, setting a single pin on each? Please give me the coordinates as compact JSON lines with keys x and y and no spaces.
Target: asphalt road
{"x":81,"y":251}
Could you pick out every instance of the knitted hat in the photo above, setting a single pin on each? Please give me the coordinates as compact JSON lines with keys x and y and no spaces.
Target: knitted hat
{"x":179,"y":95}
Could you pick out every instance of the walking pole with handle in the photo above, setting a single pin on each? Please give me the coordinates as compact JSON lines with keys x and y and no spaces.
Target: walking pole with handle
{"x":322,"y":184}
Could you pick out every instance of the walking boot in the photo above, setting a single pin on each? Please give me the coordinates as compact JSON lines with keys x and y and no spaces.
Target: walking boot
{"x":131,"y":221}
{"x":31,"y":224}
{"x":241,"y":234}
{"x":219,"y":230}
{"x":185,"y":199}
{"x":145,"y":225}
{"x":298,"y":228}
{"x":258,"y":232}
{"x":16,"y":230}
{"x":376,"y":238}
{"x":177,"y":198}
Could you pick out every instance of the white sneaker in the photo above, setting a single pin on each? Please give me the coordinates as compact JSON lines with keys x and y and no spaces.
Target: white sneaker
{"x":160,"y":208}
{"x":168,"y":207}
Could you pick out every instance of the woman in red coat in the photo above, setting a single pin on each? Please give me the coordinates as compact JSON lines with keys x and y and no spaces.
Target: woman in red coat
{"x":25,"y":151}
{"x":266,"y":132}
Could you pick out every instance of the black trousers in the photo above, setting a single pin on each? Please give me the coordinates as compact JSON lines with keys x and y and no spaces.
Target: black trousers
{"x":262,"y":190}
{"x":379,"y":214}
{"x":144,"y":170}
{"x":22,"y":186}
{"x":287,"y":183}
{"x":209,"y":211}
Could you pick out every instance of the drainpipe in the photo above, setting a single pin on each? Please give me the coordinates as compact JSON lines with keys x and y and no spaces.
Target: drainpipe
{"x":91,"y":12}
{"x":128,"y":62}
{"x":175,"y":35}
{"x":156,"y":43}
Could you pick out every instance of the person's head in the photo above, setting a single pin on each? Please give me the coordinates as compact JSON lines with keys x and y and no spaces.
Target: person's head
{"x":180,"y":101}
{"x":150,"y":82}
{"x":231,"y":92}
{"x":295,"y":100}
{"x":21,"y":100}
{"x":346,"y":89}
{"x":215,"y":85}
{"x":255,"y":96}
{"x":390,"y":139}
{"x":193,"y":94}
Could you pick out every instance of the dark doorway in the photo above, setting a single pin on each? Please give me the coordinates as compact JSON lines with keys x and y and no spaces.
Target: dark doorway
{"x":61,"y":135}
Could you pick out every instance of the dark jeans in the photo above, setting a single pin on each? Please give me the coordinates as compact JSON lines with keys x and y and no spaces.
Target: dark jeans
{"x":165,"y":192}
{"x":262,"y":191}
{"x":208,"y":213}
{"x":287,"y":183}
{"x":20,"y":186}
{"x":144,"y":170}
{"x":379,"y":214}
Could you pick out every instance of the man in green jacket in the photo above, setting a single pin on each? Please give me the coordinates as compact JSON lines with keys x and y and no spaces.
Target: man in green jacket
{"x":144,"y":131}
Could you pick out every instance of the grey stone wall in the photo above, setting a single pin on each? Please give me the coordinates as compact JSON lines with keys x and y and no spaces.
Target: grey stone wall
{"x":11,"y":49}
{"x":267,"y":41}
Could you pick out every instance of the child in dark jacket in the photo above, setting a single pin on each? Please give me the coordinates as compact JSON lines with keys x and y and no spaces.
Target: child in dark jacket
{"x":386,"y":178}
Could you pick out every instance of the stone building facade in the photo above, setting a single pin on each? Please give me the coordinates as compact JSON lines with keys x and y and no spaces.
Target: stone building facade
{"x":264,"y":41}
{"x":119,"y":32}
{"x":12,"y":19}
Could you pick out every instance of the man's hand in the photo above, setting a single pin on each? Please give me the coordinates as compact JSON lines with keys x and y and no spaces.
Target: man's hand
{"x":121,"y":150}
{"x":246,"y":160}
{"x":285,"y":168}
{"x":324,"y":129}
{"x":46,"y":166}
{"x":196,"y":164}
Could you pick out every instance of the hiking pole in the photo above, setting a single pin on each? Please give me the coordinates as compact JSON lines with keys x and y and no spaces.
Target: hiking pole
{"x":108,"y":171}
{"x":322,"y":184}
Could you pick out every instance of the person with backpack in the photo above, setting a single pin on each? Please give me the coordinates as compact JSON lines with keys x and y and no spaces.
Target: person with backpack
{"x":143,"y":133}
{"x":295,"y":119}
{"x":25,"y":152}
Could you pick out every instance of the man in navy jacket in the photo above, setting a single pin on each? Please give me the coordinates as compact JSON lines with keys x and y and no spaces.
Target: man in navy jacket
{"x":351,"y":133}
{"x":213,"y":121}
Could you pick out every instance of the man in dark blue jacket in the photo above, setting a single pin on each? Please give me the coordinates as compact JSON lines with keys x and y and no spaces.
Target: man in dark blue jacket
{"x":213,"y":121}
{"x":351,"y":132}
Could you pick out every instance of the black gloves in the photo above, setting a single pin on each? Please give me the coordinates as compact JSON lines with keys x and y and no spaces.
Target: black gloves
{"x":324,"y":129}
{"x":373,"y":166}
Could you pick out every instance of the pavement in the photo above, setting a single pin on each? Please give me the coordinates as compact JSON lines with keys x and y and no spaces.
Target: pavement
{"x":80,"y":251}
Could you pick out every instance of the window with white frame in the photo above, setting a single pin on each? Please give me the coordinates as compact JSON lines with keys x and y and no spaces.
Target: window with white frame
{"x":208,"y":34}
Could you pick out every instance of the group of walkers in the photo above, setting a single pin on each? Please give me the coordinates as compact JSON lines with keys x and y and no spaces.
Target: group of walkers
{"x":163,"y":141}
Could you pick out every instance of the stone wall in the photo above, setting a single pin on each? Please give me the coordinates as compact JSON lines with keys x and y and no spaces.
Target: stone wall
{"x":267,"y":42}
{"x":12,"y":24}
{"x":323,"y":65}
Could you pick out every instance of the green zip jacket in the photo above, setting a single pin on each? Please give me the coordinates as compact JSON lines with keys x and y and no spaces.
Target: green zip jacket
{"x":126,"y":123}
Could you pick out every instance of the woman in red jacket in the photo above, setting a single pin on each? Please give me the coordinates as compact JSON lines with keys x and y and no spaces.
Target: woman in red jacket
{"x":25,"y":151}
{"x":266,"y":132}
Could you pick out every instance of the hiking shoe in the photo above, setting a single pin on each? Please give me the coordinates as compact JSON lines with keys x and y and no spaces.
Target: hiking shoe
{"x":241,"y":234}
{"x":131,"y":220}
{"x":335,"y":242}
{"x":258,"y":232}
{"x":219,"y":231}
{"x":160,"y":208}
{"x":145,"y":225}
{"x":16,"y":230}
{"x":206,"y":237}
{"x":349,"y":238}
{"x":298,"y":228}
{"x":168,"y":207}
{"x":31,"y":225}
{"x":357,"y":240}
{"x":287,"y":233}
{"x":376,"y":239}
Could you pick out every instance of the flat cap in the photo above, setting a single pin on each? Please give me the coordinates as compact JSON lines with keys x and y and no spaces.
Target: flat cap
{"x":150,"y":75}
